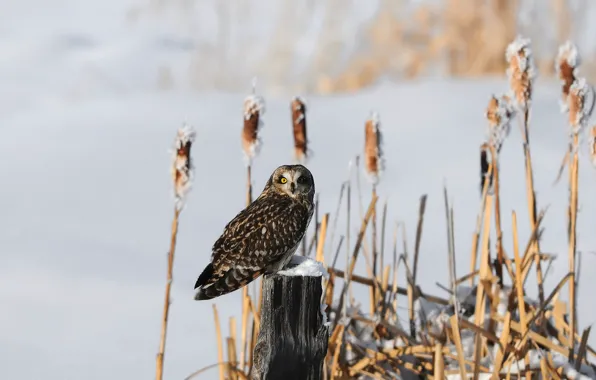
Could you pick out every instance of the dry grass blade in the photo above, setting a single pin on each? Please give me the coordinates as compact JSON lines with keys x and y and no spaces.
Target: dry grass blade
{"x":503,"y":341}
{"x":298,"y":107}
{"x":451,"y":248}
{"x":458,"y":346}
{"x":397,"y":289}
{"x":583,"y":347}
{"x":220,"y":353}
{"x":320,"y":255}
{"x":352,"y":261}
{"x":480,"y":290}
{"x":520,"y":290}
{"x":479,"y":219}
{"x":207,"y":368}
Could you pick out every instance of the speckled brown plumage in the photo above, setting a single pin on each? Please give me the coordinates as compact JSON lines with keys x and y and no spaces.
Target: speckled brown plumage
{"x":263,"y":237}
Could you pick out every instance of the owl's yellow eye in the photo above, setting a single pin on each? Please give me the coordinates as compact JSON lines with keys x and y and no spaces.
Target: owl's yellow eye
{"x":283,"y":180}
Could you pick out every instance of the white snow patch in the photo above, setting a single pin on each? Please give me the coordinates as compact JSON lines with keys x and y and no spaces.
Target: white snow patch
{"x":304,"y":267}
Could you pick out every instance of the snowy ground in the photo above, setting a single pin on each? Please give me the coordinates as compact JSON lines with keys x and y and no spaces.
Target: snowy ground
{"x":86,"y":203}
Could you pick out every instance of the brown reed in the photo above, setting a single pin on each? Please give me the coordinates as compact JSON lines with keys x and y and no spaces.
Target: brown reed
{"x":374,"y":165}
{"x":254,"y":109}
{"x":521,"y":74}
{"x":298,"y":108}
{"x":182,"y":174}
{"x":579,"y":111}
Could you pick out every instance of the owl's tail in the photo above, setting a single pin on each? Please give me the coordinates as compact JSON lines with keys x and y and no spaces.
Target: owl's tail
{"x":213,"y":283}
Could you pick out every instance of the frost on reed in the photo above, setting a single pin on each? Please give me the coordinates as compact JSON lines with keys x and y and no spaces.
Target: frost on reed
{"x":580,"y":103}
{"x":499,"y":113}
{"x":373,"y":153}
{"x":254,"y":108}
{"x":521,"y":71}
{"x":566,"y":67}
{"x":298,"y":107}
{"x":182,"y":164}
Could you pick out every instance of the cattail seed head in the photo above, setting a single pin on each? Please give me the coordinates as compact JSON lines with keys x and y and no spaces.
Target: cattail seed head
{"x":373,"y":153}
{"x":254,"y":108}
{"x":580,"y":103}
{"x":499,"y":113}
{"x":298,"y":107}
{"x":568,"y":60}
{"x":182,"y":164}
{"x":521,"y":71}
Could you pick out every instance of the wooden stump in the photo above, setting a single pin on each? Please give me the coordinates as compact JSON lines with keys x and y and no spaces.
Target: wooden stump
{"x":292,"y":341}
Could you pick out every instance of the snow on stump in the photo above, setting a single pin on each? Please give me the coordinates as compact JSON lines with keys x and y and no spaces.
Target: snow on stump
{"x":292,"y":341}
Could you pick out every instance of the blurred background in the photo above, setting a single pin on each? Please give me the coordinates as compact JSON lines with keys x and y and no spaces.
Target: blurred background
{"x":331,"y":46}
{"x":305,"y":46}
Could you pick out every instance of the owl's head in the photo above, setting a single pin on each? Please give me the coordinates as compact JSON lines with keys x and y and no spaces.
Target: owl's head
{"x":295,"y":181}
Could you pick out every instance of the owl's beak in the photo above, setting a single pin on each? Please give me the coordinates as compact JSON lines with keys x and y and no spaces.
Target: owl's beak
{"x":293,"y":187}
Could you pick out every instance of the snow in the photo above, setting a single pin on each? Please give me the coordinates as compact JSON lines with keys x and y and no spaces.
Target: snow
{"x":304,"y":266}
{"x":84,"y":237}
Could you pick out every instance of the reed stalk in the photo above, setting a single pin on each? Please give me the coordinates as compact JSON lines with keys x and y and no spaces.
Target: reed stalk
{"x":181,"y":171}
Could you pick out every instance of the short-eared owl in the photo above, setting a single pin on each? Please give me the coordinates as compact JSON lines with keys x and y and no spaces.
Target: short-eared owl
{"x":263,"y":237}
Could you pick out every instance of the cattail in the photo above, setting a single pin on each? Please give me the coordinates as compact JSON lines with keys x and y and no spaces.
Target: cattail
{"x":182,"y":164}
{"x":182,"y":175}
{"x":298,"y":107}
{"x":499,"y":113}
{"x":580,"y":103}
{"x":254,"y":108}
{"x":566,"y":66}
{"x":373,"y":154}
{"x":521,"y":71}
{"x":592,"y":143}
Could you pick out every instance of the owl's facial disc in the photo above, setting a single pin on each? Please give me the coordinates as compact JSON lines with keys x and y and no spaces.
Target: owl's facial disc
{"x":293,"y":183}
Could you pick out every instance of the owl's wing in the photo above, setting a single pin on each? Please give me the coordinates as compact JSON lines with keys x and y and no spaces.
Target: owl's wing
{"x":256,"y":238}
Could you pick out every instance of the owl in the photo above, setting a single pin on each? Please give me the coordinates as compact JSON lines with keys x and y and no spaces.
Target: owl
{"x":263,"y":237}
